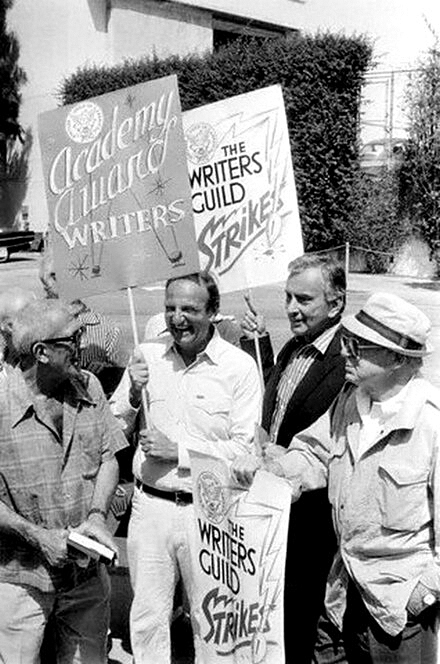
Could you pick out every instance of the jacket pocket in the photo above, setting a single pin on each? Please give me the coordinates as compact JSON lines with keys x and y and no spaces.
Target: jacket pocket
{"x":403,"y":497}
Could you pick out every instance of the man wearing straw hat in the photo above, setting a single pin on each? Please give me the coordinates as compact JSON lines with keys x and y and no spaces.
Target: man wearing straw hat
{"x":300,"y":387}
{"x":382,"y":468}
{"x":201,"y":391}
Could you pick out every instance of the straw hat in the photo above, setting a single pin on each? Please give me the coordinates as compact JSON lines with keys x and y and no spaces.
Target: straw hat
{"x":389,"y":321}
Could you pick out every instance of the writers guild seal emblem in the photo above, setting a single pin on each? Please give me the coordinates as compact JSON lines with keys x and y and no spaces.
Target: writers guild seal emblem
{"x":84,"y":122}
{"x":211,"y":497}
{"x":201,"y":143}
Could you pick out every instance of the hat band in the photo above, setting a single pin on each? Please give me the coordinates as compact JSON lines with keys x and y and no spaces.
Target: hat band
{"x":401,"y":340}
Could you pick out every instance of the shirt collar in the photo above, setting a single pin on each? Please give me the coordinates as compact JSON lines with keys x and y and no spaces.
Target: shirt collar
{"x":22,"y":397}
{"x":88,"y":317}
{"x":211,"y":352}
{"x":403,"y":409}
{"x":323,"y":340}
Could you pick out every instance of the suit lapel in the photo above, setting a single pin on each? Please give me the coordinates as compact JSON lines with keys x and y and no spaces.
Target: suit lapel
{"x":317,"y":372}
{"x":309,"y":395}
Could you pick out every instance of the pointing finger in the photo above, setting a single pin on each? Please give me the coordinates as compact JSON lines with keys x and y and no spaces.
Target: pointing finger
{"x":249,"y":303}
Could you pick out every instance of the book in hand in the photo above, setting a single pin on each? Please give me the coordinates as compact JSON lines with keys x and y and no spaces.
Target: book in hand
{"x":91,"y":548}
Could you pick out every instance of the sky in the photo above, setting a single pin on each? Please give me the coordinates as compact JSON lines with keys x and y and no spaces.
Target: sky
{"x":398,"y":27}
{"x":400,"y":32}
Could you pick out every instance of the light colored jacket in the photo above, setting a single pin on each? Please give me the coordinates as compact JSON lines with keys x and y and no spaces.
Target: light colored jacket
{"x":386,"y":505}
{"x":385,"y":501}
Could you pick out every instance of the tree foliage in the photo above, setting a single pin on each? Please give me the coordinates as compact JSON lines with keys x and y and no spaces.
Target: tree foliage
{"x":321,"y":78}
{"x":420,"y":173}
{"x":12,"y":77}
{"x":378,"y":227}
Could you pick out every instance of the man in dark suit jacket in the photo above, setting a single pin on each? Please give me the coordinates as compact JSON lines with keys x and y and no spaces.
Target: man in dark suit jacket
{"x":300,"y":387}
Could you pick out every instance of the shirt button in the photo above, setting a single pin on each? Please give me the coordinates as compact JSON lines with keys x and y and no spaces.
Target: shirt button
{"x":341,"y":507}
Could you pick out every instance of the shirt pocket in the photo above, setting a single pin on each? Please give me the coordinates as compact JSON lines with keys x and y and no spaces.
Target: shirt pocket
{"x":210,"y":416}
{"x":403,"y":496}
{"x":158,"y":407}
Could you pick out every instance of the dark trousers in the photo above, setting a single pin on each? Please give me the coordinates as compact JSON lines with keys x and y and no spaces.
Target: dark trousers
{"x":311,"y":545}
{"x":363,"y":641}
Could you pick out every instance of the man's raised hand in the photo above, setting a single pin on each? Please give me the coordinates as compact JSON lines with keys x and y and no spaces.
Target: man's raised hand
{"x":138,"y":372}
{"x":252,"y":322}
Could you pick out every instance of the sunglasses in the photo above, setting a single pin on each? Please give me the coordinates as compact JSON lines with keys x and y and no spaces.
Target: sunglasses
{"x":353,"y":346}
{"x":74,"y":339}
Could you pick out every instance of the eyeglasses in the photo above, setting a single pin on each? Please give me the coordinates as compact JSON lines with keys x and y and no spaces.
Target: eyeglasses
{"x":354,"y":346}
{"x":74,"y":339}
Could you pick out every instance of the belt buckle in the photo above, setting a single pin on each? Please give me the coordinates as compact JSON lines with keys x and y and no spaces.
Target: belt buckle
{"x":181,"y":498}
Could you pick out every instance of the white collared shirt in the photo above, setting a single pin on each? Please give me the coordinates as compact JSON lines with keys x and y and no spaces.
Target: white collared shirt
{"x":212,"y":404}
{"x":374,"y":415}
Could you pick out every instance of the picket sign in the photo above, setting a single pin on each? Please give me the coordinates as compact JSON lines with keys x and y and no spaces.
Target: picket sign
{"x":238,"y":552}
{"x":243,"y":189}
{"x":119,"y":199}
{"x":120,"y":210}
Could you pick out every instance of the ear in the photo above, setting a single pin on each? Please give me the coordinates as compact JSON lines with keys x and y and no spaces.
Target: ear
{"x":336,"y":307}
{"x":39,"y":351}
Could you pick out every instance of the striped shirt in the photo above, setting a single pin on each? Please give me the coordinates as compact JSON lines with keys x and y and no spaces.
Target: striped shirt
{"x":100,"y":341}
{"x":299,"y":364}
{"x":47,"y":478}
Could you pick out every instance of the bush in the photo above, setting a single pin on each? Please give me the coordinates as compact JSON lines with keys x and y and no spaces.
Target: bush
{"x":377,"y":224}
{"x":420,"y":173}
{"x":321,"y":77}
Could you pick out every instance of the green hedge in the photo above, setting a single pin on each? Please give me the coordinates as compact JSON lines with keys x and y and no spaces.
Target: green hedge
{"x":321,"y":77}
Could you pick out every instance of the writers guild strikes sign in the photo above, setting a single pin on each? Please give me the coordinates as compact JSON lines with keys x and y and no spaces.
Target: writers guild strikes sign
{"x":243,"y":188}
{"x":238,"y":556}
{"x":117,"y":189}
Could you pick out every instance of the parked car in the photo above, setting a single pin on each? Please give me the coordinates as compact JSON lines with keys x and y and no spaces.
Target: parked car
{"x":13,"y":241}
{"x":381,"y":154}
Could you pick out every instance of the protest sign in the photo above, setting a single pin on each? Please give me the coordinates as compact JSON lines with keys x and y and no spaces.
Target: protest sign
{"x":117,"y":189}
{"x":238,"y":554}
{"x":243,"y":188}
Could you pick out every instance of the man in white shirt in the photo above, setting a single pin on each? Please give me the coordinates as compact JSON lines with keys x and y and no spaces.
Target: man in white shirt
{"x":202,"y":392}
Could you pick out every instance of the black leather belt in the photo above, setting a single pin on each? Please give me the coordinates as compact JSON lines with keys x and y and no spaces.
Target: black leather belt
{"x":178,"y":497}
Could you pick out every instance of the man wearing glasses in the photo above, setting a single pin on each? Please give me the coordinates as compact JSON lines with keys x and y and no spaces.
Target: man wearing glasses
{"x":382,"y":469}
{"x":58,"y":472}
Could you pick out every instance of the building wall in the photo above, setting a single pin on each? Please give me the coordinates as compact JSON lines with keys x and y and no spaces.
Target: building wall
{"x":165,"y":28}
{"x":56,"y":36}
{"x":277,"y":12}
{"x":59,"y":36}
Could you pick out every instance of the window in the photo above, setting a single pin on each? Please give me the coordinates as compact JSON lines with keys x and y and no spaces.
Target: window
{"x":226,"y":30}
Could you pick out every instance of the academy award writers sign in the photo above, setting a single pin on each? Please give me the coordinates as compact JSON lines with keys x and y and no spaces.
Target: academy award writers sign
{"x":238,"y":556}
{"x":117,"y":189}
{"x":243,"y":188}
